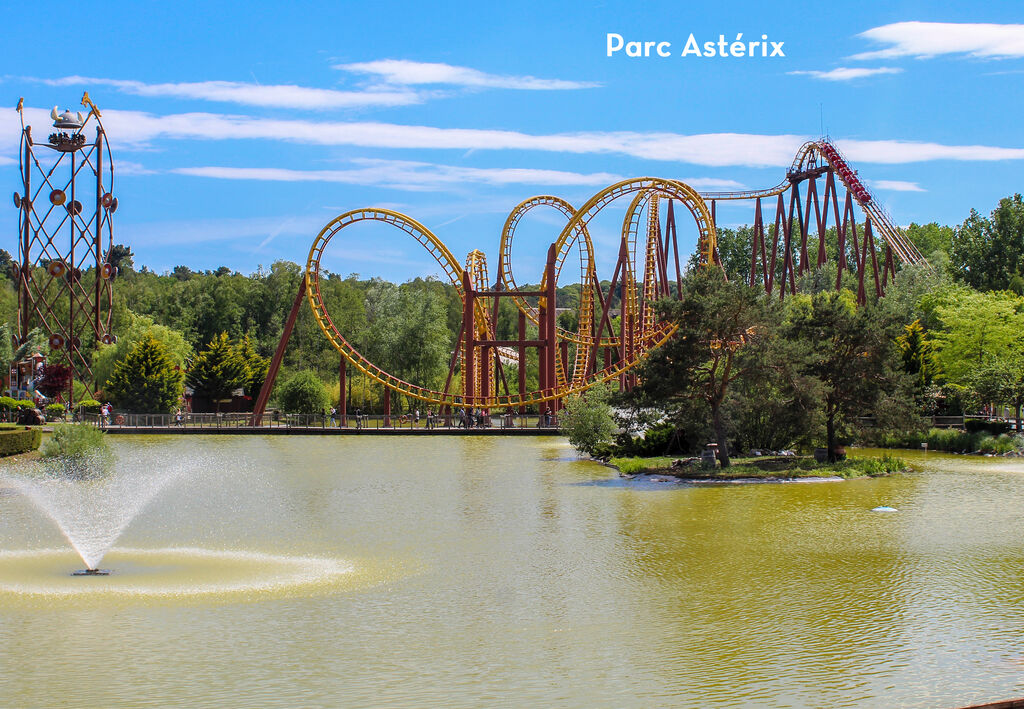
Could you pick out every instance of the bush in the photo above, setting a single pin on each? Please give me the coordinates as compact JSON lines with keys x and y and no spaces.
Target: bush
{"x":79,"y":450}
{"x":996,"y":428}
{"x":587,"y":420}
{"x":90,"y":406}
{"x":304,"y":393}
{"x":55,"y":411}
{"x":873,"y":467}
{"x":19,"y":439}
{"x":8,"y":404}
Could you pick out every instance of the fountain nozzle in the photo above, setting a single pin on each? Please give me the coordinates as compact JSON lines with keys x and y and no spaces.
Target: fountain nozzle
{"x":91,"y":572}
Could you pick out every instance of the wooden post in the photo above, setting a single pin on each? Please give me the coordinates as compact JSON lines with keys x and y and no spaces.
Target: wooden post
{"x":387,"y":408}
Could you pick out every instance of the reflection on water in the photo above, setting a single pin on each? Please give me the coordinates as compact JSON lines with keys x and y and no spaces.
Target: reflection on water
{"x":492,"y":571}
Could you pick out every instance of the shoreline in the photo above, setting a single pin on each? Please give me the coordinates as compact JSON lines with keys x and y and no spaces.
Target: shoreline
{"x":757,"y":470}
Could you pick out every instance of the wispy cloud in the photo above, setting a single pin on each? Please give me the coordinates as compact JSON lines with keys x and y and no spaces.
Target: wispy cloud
{"x":892,"y":152}
{"x":848,"y":74}
{"x":897,"y":186}
{"x":420,"y":176}
{"x":931,"y":39}
{"x":138,"y":129}
{"x":266,"y":95}
{"x":408,"y":73}
{"x":406,"y":175}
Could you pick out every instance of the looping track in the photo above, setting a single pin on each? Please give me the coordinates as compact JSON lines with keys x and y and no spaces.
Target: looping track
{"x":570,"y":360}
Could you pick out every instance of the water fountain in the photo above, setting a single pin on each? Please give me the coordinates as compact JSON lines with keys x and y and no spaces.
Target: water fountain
{"x":92,"y":505}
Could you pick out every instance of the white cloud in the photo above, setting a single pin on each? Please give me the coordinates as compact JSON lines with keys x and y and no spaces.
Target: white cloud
{"x":138,"y":130}
{"x":403,"y":72}
{"x":897,"y":186}
{"x":408,"y":175}
{"x":930,"y":39}
{"x":4,"y":160}
{"x":893,"y":152}
{"x":127,"y":167}
{"x":270,"y":95}
{"x":847,"y":74}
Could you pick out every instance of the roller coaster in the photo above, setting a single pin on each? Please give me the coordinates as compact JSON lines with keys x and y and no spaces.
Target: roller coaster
{"x":608,"y":342}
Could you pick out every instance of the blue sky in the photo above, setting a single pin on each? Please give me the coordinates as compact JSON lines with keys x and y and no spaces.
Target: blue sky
{"x":238,"y":131}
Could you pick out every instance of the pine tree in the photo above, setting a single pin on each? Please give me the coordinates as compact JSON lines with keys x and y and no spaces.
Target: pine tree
{"x":146,"y":381}
{"x":258,"y":366}
{"x":217,"y":371}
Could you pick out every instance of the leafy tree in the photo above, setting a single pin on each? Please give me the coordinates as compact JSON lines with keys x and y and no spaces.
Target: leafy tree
{"x":988,"y":254}
{"x":1001,"y":381}
{"x":35,"y":342}
{"x":146,"y":380}
{"x":931,"y":239}
{"x":257,"y":364}
{"x":847,"y":351}
{"x":54,"y":379}
{"x":918,"y":353}
{"x":6,"y":348}
{"x":217,"y":371}
{"x":587,"y":420}
{"x":304,"y":393}
{"x":136,"y":329}
{"x":121,"y":257}
{"x":974,"y":329}
{"x":723,"y":326}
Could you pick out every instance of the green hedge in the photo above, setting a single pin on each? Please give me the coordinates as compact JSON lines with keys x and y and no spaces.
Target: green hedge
{"x":19,"y":440}
{"x":90,"y":406}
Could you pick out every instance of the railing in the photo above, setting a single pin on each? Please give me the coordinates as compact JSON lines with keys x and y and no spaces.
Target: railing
{"x":273,"y":420}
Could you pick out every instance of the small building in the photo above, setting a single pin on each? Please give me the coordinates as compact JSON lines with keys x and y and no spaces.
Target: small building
{"x":24,"y":375}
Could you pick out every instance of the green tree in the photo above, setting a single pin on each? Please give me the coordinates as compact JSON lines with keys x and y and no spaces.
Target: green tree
{"x":847,"y":351}
{"x":974,"y":329}
{"x":257,"y":364}
{"x":217,"y":371}
{"x":136,"y":329}
{"x":918,"y":353}
{"x":146,"y":380}
{"x":988,"y":254}
{"x":1001,"y":381}
{"x":722,"y":329}
{"x":304,"y":393}
{"x":587,"y":420}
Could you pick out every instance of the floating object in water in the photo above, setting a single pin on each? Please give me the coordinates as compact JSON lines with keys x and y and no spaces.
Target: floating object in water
{"x":91,"y":572}
{"x":884,"y":508}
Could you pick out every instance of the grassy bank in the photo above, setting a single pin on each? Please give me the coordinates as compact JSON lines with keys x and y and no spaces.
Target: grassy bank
{"x":951,"y":440}
{"x":771,"y":467}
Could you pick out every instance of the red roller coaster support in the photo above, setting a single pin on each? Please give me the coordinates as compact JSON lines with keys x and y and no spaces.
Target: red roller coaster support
{"x":275,"y":363}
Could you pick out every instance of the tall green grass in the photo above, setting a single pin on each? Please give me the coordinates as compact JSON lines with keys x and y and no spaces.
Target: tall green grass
{"x":952,"y":440}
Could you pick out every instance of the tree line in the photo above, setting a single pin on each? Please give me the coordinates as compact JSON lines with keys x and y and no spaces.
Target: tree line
{"x":217,"y":329}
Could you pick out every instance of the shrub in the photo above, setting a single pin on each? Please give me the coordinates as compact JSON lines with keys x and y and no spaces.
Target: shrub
{"x":304,"y":393}
{"x":20,"y":439}
{"x":78,"y":450}
{"x":8,"y":404}
{"x":90,"y":406}
{"x":587,"y":420}
{"x":872,"y":467}
{"x":996,"y":428}
{"x":55,"y":411}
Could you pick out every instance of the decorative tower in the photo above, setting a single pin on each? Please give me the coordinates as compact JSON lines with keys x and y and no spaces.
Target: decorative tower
{"x":63,"y":271}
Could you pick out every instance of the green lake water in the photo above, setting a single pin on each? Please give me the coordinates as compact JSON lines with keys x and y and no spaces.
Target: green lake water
{"x":292,"y":571}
